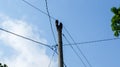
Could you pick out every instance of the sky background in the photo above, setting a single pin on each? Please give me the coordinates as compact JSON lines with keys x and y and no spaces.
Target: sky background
{"x":86,"y":20}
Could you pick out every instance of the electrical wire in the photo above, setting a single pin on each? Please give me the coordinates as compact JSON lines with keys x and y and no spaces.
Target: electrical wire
{"x":78,"y":47}
{"x":25,"y":37}
{"x":55,"y":50}
{"x":51,"y":58}
{"x":94,"y":41}
{"x":51,"y":25}
{"x":55,"y":19}
{"x":45,"y":14}
{"x":75,"y":51}
{"x":51,"y":47}
{"x":69,"y":43}
{"x":50,"y":21}
{"x":38,"y":9}
{"x":32,"y":41}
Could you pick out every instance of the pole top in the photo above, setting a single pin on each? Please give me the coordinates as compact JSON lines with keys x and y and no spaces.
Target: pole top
{"x":59,"y":26}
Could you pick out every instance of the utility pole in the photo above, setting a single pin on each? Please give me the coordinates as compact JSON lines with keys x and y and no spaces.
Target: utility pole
{"x":60,"y":49}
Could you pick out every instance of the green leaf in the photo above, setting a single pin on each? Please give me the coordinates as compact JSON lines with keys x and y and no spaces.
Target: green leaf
{"x":116,"y":33}
{"x":114,"y":10}
{"x":119,"y":10}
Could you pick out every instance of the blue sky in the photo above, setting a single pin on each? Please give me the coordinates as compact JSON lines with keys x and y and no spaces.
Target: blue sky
{"x":86,"y":20}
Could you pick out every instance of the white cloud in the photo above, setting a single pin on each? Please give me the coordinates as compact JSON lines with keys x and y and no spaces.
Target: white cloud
{"x":27,"y":54}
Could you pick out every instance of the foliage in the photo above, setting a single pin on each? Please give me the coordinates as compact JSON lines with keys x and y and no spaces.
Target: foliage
{"x":3,"y":65}
{"x":115,"y":25}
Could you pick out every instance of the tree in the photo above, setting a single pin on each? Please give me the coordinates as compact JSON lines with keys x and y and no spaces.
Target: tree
{"x":115,"y":25}
{"x":3,"y":65}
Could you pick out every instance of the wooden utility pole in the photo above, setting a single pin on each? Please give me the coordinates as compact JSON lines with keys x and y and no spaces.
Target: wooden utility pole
{"x":60,"y":49}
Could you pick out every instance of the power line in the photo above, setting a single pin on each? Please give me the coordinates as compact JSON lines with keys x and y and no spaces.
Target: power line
{"x":51,"y":25}
{"x":78,"y":47}
{"x":38,"y":9}
{"x":75,"y":51}
{"x":25,"y":37}
{"x":94,"y":41}
{"x":55,"y":19}
{"x":55,"y":50}
{"x":50,"y":20}
{"x":51,"y":58}
{"x":45,"y":14}
{"x":69,"y":43}
{"x":51,"y":47}
{"x":32,"y":41}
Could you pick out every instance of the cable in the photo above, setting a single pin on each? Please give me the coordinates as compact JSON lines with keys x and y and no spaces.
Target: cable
{"x":51,"y":25}
{"x":74,"y":51}
{"x":51,"y":58}
{"x":78,"y":47}
{"x":55,"y":50}
{"x":55,"y":19}
{"x":38,"y":9}
{"x":50,"y":20}
{"x":25,"y":37}
{"x":29,"y":39}
{"x":95,"y":41}
{"x":45,"y":14}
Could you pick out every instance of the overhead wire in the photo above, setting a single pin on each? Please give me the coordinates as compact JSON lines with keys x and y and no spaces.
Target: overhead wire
{"x":50,"y":17}
{"x":55,"y":19}
{"x":51,"y":47}
{"x":25,"y":38}
{"x":51,"y":25}
{"x":71,"y":43}
{"x":75,"y":51}
{"x":78,"y":47}
{"x":51,"y":59}
{"x":94,"y":41}
{"x":38,"y":9}
{"x":50,"y":21}
{"x":45,"y":14}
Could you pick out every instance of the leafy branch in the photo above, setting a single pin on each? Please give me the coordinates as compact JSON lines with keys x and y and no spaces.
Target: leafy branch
{"x":115,"y":25}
